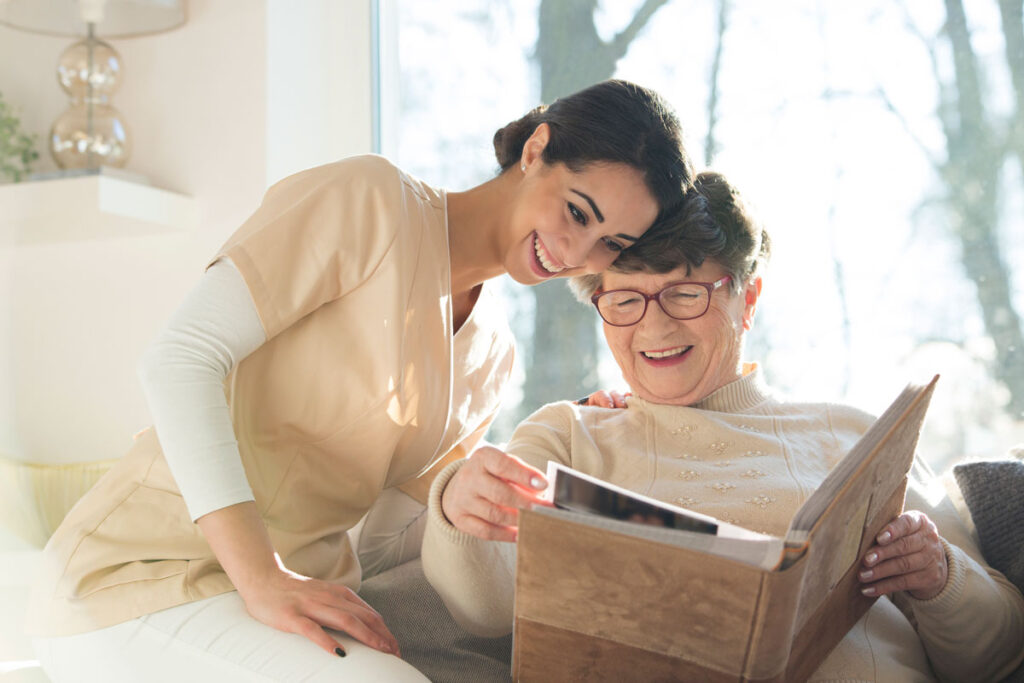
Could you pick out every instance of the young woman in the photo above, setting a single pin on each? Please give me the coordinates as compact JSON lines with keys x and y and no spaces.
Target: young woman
{"x":341,"y":343}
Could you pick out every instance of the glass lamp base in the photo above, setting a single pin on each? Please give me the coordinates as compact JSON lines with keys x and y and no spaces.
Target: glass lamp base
{"x":87,"y":136}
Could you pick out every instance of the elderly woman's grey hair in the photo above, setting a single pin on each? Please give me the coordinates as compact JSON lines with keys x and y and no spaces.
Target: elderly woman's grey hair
{"x":713,"y":222}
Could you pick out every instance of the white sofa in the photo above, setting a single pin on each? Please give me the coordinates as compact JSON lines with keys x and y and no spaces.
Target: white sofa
{"x":18,"y":562}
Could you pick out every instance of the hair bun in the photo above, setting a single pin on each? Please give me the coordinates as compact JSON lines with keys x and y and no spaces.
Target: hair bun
{"x":509,"y":140}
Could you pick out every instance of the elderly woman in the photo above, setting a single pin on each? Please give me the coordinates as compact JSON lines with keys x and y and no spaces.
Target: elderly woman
{"x":703,"y":431}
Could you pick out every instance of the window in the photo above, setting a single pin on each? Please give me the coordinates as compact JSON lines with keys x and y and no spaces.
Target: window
{"x":887,"y":178}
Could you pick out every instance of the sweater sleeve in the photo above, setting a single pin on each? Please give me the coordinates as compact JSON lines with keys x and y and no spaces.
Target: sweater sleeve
{"x":476,"y":578}
{"x":974,"y":629}
{"x":182,"y":374}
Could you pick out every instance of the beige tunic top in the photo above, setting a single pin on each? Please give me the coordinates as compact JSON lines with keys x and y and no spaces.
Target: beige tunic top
{"x":360,"y":386}
{"x":742,"y":455}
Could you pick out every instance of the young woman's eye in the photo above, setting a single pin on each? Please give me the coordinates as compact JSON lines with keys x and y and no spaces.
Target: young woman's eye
{"x":577,"y":214}
{"x":612,"y":245}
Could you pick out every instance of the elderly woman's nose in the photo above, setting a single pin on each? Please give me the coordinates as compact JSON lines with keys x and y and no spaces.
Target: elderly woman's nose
{"x":655,"y":317}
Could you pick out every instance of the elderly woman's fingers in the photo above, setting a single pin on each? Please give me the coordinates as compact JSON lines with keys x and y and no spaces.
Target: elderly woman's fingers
{"x":907,"y":523}
{"x":922,"y":582}
{"x":909,"y":557}
{"x":475,"y":526}
{"x":496,"y":514}
{"x":510,"y":468}
{"x":605,"y":399}
{"x":483,"y":497}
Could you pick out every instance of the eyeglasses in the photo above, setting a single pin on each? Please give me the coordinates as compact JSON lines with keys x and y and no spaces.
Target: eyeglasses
{"x":679,"y":300}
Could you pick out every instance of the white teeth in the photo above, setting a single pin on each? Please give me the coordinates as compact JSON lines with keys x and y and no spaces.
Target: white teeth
{"x":665,"y":354}
{"x":542,"y":257}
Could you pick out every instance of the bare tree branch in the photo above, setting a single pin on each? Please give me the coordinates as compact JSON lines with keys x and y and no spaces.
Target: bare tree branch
{"x":882,"y":96}
{"x":945,"y":107}
{"x":838,"y":271}
{"x":972,"y":177}
{"x":620,"y":43}
{"x":887,"y":102}
{"x":710,"y":144}
{"x":1012,"y":13}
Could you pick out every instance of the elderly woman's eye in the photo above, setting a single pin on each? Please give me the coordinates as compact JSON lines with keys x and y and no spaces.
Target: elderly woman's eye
{"x":577,"y":214}
{"x":626,"y":301}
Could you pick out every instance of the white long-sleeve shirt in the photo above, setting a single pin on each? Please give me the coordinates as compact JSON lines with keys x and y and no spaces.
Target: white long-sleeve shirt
{"x":182,"y":374}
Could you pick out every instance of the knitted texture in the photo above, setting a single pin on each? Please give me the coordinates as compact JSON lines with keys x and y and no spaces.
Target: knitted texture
{"x":994,"y":493}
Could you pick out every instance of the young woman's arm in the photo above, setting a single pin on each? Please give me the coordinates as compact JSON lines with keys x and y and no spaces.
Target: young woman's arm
{"x":183,"y":374}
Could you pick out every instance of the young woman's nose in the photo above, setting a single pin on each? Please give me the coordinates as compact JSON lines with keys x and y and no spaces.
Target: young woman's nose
{"x":575,"y":251}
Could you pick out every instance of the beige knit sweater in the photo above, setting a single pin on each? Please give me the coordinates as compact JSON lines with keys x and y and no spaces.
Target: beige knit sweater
{"x":745,"y":457}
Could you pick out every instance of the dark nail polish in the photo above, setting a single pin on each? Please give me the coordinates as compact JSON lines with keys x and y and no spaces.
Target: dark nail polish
{"x":338,"y":651}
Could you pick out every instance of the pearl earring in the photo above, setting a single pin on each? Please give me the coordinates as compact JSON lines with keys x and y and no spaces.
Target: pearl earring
{"x":523,"y":167}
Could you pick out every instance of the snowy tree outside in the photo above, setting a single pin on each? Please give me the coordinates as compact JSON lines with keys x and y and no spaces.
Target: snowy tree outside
{"x":847,"y":125}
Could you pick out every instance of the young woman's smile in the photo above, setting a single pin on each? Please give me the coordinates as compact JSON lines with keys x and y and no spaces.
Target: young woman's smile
{"x":545,"y":265}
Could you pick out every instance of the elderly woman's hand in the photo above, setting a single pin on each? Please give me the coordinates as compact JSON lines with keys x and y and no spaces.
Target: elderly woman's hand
{"x":605,"y":399}
{"x":908,"y":557}
{"x":484,"y":496}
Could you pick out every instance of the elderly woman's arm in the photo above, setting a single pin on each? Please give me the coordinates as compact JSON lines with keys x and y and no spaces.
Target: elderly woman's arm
{"x":974,"y":628}
{"x":475,"y":577}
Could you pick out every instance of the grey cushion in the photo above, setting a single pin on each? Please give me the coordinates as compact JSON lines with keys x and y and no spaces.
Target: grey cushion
{"x":428,"y":636}
{"x":994,"y":493}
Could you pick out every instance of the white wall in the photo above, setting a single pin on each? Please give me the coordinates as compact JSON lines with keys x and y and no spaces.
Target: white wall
{"x":318,"y":83}
{"x":208,"y":120}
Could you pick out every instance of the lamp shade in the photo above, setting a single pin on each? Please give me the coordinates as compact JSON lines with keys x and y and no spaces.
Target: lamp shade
{"x":112,"y":18}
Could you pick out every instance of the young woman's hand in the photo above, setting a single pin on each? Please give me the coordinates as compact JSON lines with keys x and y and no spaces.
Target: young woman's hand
{"x":605,"y":399}
{"x":484,"y":496}
{"x":907,"y":557}
{"x":281,"y":598}
{"x":297,"y":604}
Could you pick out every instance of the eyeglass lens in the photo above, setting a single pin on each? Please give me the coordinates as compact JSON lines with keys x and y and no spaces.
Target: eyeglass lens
{"x":682,"y":301}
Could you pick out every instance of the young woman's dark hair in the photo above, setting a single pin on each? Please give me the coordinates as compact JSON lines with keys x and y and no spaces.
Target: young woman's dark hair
{"x":612,"y":121}
{"x":714,"y":222}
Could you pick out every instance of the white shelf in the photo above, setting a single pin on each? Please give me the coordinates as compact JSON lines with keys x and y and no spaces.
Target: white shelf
{"x":90,"y":207}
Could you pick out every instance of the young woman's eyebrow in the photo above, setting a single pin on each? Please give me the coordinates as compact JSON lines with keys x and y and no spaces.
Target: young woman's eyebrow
{"x":593,"y":206}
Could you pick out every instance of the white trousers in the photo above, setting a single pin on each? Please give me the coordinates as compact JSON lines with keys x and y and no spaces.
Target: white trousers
{"x":217,"y":640}
{"x":210,"y":640}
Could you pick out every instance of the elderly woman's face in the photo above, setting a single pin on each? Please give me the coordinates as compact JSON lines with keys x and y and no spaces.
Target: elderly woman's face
{"x":679,"y":362}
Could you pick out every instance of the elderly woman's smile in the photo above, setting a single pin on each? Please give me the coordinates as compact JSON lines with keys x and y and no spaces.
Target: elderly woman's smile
{"x":666,"y":356}
{"x":665,"y":360}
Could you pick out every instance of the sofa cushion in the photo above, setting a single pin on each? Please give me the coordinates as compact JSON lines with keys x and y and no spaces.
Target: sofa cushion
{"x":994,"y":495}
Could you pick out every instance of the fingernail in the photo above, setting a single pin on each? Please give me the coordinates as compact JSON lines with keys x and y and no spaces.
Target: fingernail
{"x":865,"y":575}
{"x":536,"y":483}
{"x":338,"y":651}
{"x":884,"y":537}
{"x":870,"y":592}
{"x":871,"y":558}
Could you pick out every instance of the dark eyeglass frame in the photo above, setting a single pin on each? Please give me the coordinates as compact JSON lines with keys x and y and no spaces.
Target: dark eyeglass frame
{"x":710,"y":286}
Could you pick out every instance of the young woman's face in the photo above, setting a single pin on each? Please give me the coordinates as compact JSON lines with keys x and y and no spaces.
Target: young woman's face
{"x":566,"y":223}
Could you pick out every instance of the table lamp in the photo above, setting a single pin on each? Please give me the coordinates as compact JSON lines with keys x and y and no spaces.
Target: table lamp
{"x":91,"y":133}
